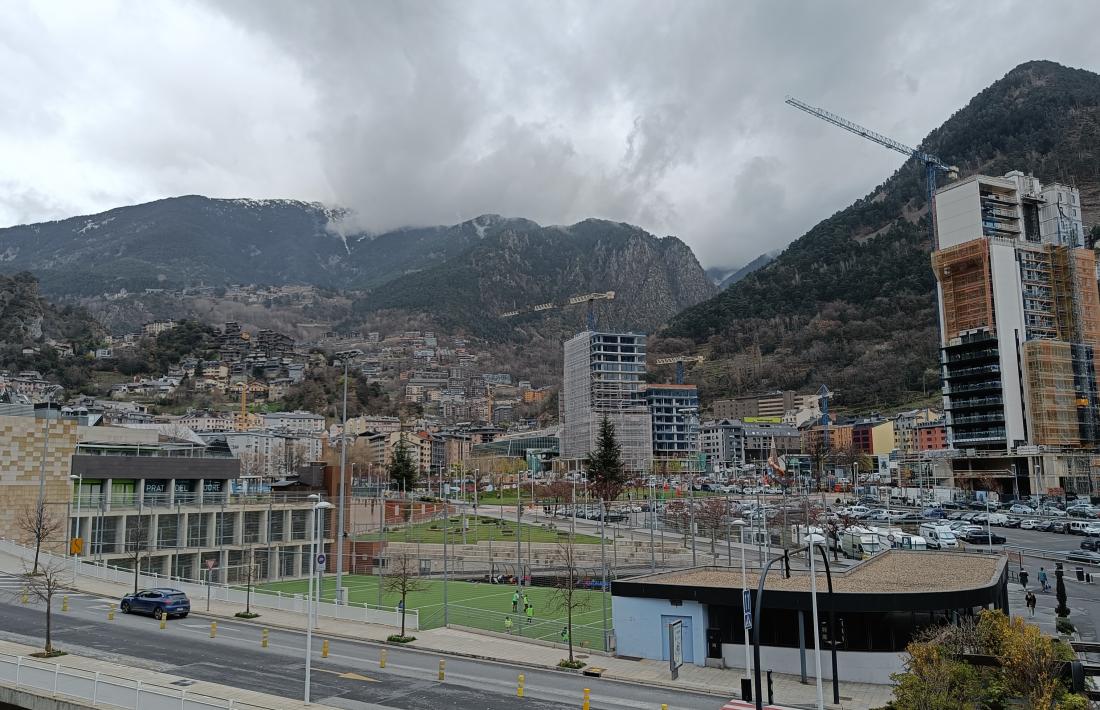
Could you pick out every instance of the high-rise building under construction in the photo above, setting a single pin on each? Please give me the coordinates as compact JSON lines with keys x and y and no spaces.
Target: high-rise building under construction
{"x":1020,"y":334}
{"x":604,"y":376}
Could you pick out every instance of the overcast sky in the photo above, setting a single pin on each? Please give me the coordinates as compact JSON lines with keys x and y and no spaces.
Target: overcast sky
{"x":667,"y":114}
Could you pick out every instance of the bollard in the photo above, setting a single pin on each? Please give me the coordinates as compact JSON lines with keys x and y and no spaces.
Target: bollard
{"x":519,"y":687}
{"x":587,"y":704}
{"x":213,"y":629}
{"x":382,"y":659}
{"x":164,"y":622}
{"x":771,"y":696}
{"x":111,"y":615}
{"x":442,"y":668}
{"x":664,"y":706}
{"x":324,"y":649}
{"x":65,"y":603}
{"x":25,"y":597}
{"x":263,"y":639}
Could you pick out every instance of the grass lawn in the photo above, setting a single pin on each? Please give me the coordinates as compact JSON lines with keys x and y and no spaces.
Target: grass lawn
{"x":481,"y":529}
{"x":477,"y":605}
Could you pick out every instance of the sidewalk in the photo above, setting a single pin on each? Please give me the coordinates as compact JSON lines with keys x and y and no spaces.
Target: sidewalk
{"x":493,"y":647}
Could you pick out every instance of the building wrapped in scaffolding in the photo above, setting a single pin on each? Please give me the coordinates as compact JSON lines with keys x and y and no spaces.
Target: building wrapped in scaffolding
{"x":1020,"y":327}
{"x":604,"y":376}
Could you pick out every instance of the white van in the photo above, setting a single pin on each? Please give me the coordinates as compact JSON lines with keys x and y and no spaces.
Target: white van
{"x":998,"y":519}
{"x":1078,"y":527}
{"x":938,"y":537}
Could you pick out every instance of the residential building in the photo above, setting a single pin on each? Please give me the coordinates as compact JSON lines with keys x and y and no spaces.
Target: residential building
{"x":1020,"y":329}
{"x":905,"y":427}
{"x":296,"y":422}
{"x":873,"y":436}
{"x":731,"y":442}
{"x":772,"y":405}
{"x":931,"y":436}
{"x":604,"y":378}
{"x":675,"y":413}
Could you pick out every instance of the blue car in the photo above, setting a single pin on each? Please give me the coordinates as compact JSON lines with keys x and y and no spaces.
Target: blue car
{"x":161,"y":602}
{"x":933,"y":513}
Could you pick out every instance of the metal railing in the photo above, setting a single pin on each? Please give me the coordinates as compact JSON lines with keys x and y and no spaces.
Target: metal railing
{"x":198,"y":590}
{"x":42,"y":677}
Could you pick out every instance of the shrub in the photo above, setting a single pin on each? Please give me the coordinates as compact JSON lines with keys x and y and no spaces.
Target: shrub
{"x":398,"y":638}
{"x":1064,"y":625}
{"x":566,"y":663}
{"x":246,"y":615}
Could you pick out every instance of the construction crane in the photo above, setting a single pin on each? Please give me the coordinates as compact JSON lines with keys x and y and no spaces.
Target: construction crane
{"x":932,"y":164}
{"x":589,"y":298}
{"x":679,"y":361}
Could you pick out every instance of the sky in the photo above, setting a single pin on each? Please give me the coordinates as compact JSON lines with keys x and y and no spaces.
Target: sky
{"x":668,"y":115}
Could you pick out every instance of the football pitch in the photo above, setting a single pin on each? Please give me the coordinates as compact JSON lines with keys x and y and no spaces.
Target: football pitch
{"x":477,"y":605}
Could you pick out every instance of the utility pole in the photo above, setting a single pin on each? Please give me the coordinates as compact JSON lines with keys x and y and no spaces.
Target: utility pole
{"x":603,"y":565}
{"x":342,"y":502}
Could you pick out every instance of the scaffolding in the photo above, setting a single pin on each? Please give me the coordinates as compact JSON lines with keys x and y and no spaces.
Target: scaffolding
{"x":1052,"y":393}
{"x":964,"y":275}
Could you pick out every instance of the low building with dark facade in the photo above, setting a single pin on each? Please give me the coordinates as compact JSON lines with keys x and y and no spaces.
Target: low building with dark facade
{"x":879,"y":605}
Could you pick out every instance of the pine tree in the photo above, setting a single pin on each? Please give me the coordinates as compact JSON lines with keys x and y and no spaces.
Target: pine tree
{"x":402,"y":468}
{"x":606,"y":473}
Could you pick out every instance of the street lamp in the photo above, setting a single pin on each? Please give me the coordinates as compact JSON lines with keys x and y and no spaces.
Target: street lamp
{"x":742,"y":524}
{"x":79,"y":478}
{"x":319,"y":506}
{"x":346,"y":357}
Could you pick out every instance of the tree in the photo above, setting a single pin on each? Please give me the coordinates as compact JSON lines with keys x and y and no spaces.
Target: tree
{"x":403,"y":578}
{"x":566,"y":595}
{"x":254,"y":464}
{"x":402,"y":468}
{"x":712,"y":519}
{"x":137,"y":542}
{"x":39,"y":523}
{"x":42,"y":584}
{"x":606,"y":473}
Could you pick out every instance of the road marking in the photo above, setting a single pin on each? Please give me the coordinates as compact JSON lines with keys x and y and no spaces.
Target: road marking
{"x":349,"y":675}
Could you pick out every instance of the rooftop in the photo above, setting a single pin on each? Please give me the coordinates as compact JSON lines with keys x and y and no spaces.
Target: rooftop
{"x":892,"y":572}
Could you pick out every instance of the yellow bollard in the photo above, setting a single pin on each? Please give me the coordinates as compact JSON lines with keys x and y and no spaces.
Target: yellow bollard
{"x":664,"y":706}
{"x":263,"y":639}
{"x":213,"y":629}
{"x":587,"y":704}
{"x":26,"y":597}
{"x":519,"y":687}
{"x":382,"y":659}
{"x":164,"y":622}
{"x":442,"y":668}
{"x":111,"y":615}
{"x":64,"y":603}
{"x":324,"y":649}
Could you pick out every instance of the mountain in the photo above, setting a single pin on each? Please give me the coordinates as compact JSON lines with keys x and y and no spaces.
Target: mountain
{"x":188,"y":240}
{"x":755,"y":265}
{"x":851,"y":303}
{"x":518,"y":264}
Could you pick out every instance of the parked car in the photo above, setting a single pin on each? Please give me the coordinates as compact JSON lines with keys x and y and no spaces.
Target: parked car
{"x":1090,"y":543}
{"x":1028,"y":524}
{"x":1044,"y":525}
{"x":933,"y":513}
{"x":1021,"y":509}
{"x":981,"y":537}
{"x":160,"y":602}
{"x":1086,"y":556}
{"x":1013,"y":522}
{"x":1059,"y":526}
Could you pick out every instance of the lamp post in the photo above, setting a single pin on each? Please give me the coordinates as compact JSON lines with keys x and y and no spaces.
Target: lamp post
{"x":346,"y":356}
{"x":744,"y":589}
{"x":79,"y":478}
{"x":314,"y":546}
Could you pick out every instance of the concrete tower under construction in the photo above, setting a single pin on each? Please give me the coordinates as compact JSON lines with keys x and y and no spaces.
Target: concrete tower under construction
{"x":1020,"y":335}
{"x":604,"y":376}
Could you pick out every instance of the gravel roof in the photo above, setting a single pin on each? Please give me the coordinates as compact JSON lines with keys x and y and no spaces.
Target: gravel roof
{"x":891,"y":572}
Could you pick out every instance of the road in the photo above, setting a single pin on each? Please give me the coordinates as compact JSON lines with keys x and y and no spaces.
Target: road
{"x":236,"y":658}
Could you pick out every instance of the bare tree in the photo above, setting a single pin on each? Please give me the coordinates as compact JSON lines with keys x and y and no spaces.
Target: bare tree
{"x":43,"y":585}
{"x":566,"y":595}
{"x":137,"y":543}
{"x":712,"y":518}
{"x":403,"y":578}
{"x":254,"y":464}
{"x":39,"y":523}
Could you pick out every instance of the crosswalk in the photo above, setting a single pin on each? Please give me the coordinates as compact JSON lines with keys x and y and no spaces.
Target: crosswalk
{"x":742,"y":705}
{"x":13,"y":586}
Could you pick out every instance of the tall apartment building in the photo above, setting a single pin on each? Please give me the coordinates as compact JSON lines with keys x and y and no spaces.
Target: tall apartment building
{"x":675,"y":414}
{"x":1020,"y":330}
{"x":604,"y":377}
{"x":768,"y":406}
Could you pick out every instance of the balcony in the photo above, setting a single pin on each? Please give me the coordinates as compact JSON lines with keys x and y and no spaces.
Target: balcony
{"x":987,"y":386}
{"x":973,"y":355}
{"x":965,"y":419}
{"x":972,"y":371}
{"x":980,"y":436}
{"x":974,"y":403}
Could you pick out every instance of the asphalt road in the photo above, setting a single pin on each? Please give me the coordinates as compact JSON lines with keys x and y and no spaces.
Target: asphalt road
{"x":235,"y":658}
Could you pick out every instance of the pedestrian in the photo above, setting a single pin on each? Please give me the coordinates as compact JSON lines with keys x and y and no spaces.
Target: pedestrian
{"x":1030,"y":600}
{"x":526,"y":601}
{"x":515,"y":602}
{"x":1043,"y":580}
{"x":1023,"y":578}
{"x":508,"y":624}
{"x":565,"y":634}
{"x":530,"y":614}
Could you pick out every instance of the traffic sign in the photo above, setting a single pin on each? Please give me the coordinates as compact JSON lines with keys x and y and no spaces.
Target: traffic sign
{"x":675,"y":647}
{"x":746,"y":606}
{"x":211,"y":563}
{"x":321,"y":559}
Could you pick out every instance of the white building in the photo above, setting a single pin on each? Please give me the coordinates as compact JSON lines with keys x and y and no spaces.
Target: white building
{"x":297,"y":422}
{"x":604,"y":377}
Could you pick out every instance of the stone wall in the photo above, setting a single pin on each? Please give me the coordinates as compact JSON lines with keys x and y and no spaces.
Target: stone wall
{"x":21,"y":442}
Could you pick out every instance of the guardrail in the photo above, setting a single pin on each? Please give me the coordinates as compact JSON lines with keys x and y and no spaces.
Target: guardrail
{"x":198,"y":591}
{"x":25,"y":673}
